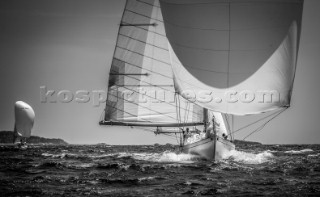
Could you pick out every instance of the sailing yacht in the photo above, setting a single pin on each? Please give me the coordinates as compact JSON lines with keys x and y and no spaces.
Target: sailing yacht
{"x":24,"y":120}
{"x":178,"y":65}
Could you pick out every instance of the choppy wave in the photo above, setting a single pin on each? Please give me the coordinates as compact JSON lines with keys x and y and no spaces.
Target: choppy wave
{"x":166,"y":157}
{"x":249,"y":158}
{"x":98,"y":170}
{"x":299,"y":151}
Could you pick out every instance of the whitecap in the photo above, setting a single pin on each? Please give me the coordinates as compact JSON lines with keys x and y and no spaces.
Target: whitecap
{"x":249,"y":158}
{"x":62,"y":155}
{"x":298,"y":151}
{"x":165,"y":157}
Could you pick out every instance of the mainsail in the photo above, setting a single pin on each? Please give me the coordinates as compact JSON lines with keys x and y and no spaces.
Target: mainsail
{"x":141,"y":89}
{"x":234,"y":56}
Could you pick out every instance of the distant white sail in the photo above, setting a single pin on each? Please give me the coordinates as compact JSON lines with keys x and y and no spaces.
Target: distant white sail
{"x":236,"y":57}
{"x":24,"y":119}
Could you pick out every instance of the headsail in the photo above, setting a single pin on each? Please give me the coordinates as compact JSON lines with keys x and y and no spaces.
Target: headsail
{"x":235,"y":56}
{"x":141,"y":90}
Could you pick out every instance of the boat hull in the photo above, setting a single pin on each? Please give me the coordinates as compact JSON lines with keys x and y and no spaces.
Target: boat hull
{"x":207,"y":149}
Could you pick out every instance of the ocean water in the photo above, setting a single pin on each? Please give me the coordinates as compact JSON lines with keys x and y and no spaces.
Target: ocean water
{"x":104,"y":170}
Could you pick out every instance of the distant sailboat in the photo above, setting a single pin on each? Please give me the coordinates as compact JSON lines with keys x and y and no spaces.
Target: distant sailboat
{"x":24,"y":120}
{"x":180,"y":70}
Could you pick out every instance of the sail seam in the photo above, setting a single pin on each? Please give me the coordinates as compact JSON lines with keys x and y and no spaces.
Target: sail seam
{"x":147,"y":83}
{"x":128,"y":63}
{"x":118,"y":85}
{"x":154,"y":98}
{"x":142,"y":106}
{"x":148,"y":3}
{"x":137,"y":13}
{"x":142,"y":55}
{"x":159,"y":99}
{"x":225,"y":30}
{"x":242,"y":2}
{"x":132,"y":38}
{"x":124,"y":111}
{"x":139,"y":27}
{"x":220,"y":50}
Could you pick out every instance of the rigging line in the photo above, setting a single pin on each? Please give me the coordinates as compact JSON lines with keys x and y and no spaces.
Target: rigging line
{"x":189,"y":27}
{"x":139,"y":80}
{"x":149,"y":17}
{"x":179,"y":108}
{"x":176,"y":107}
{"x":229,"y":45}
{"x":277,"y":26}
{"x":255,"y":122}
{"x":206,"y":70}
{"x":132,"y":102}
{"x":186,"y":114}
{"x":153,"y":97}
{"x":135,"y":39}
{"x":126,"y":112}
{"x":141,"y":105}
{"x":142,"y":68}
{"x":127,"y":85}
{"x":224,"y":3}
{"x":232,"y":116}
{"x":103,"y":113}
{"x":228,"y":124}
{"x":152,"y":51}
{"x":156,"y":73}
{"x":166,"y":63}
{"x":262,"y":126}
{"x":139,"y":27}
{"x":177,"y":140}
{"x":191,"y":47}
{"x":181,"y":140}
{"x":215,"y":50}
{"x":152,"y":130}
{"x":119,"y":28}
{"x":148,"y":3}
{"x":200,"y":143}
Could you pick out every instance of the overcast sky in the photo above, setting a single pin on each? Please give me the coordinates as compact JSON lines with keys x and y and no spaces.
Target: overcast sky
{"x":68,"y":45}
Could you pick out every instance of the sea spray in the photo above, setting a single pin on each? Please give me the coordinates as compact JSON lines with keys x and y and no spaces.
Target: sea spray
{"x":163,"y":157}
{"x":249,"y":158}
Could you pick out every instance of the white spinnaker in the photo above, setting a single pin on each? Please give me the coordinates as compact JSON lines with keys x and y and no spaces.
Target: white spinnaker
{"x":24,"y":119}
{"x":235,"y":50}
{"x":274,"y":76}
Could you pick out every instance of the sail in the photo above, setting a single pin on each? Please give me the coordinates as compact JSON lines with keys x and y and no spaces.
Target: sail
{"x":221,"y":129}
{"x":24,"y":119}
{"x":235,"y":56}
{"x":141,"y":88}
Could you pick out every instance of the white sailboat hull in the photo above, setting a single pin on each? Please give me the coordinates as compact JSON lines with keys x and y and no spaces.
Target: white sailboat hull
{"x":208,"y":150}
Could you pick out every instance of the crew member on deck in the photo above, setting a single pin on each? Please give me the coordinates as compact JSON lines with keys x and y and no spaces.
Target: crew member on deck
{"x":225,"y":136}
